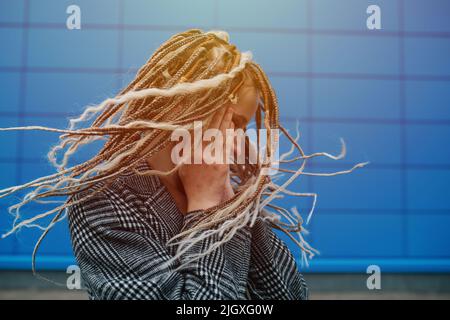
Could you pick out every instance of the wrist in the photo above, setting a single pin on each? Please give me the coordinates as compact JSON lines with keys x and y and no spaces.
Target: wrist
{"x":201,"y":204}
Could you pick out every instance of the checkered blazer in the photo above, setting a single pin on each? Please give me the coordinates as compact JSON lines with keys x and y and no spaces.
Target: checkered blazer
{"x":119,"y":237}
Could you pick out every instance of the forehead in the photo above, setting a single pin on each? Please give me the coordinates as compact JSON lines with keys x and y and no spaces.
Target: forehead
{"x":248,"y":95}
{"x":248,"y":80}
{"x":248,"y":90}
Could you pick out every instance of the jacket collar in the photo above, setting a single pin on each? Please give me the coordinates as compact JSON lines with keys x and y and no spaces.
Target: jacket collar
{"x":144,"y":184}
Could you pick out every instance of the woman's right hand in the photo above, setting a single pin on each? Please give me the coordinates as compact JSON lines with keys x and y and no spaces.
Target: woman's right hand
{"x":206,"y":185}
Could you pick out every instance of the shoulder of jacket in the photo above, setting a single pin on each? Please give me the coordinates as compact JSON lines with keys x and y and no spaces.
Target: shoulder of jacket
{"x":96,"y":206}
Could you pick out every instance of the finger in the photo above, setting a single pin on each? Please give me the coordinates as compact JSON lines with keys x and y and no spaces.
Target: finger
{"x":239,"y":148}
{"x":217,"y":118}
{"x":226,"y":120}
{"x":230,"y":144}
{"x":253,"y":152}
{"x":226,"y":124}
{"x":232,"y":126}
{"x":196,"y":143}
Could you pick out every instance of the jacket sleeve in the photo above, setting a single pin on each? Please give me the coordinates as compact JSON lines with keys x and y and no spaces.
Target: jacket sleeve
{"x":117,"y":263}
{"x":273,"y":273}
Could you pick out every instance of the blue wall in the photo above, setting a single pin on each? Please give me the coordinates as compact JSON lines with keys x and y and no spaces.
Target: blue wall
{"x":386,"y":92}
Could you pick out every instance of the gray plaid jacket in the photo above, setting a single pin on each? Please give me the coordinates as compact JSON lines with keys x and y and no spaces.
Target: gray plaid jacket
{"x":119,"y":236}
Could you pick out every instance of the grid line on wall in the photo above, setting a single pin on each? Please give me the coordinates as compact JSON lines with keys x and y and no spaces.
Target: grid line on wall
{"x":120,"y":43}
{"x":22,"y":101}
{"x":309,"y":96}
{"x":403,"y":134}
{"x":175,"y":28}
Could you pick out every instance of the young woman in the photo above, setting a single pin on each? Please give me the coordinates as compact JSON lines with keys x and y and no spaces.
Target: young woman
{"x":120,"y":235}
{"x":129,"y":203}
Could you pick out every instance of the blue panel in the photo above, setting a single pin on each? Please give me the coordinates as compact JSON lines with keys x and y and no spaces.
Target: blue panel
{"x":429,"y":16}
{"x":8,"y":178}
{"x":127,"y":77}
{"x":428,"y":235}
{"x":33,"y":169}
{"x":301,"y":185}
{"x":56,"y":241}
{"x":140,"y":45}
{"x":13,"y":56}
{"x":75,"y":49}
{"x":74,"y":94}
{"x":263,"y":13}
{"x":356,"y":98}
{"x":38,"y":143}
{"x":362,"y":189}
{"x":286,"y":52}
{"x":426,"y":140}
{"x":8,"y":170}
{"x":9,"y":91}
{"x":8,"y":139}
{"x":54,"y":11}
{"x":303,"y":140}
{"x":37,"y":148}
{"x":377,"y":143}
{"x":11,"y":11}
{"x":428,"y":189}
{"x":427,"y":56}
{"x":356,"y":54}
{"x":428,"y":100}
{"x":169,"y":13}
{"x":351,"y":14}
{"x":338,"y":232}
{"x":292,"y":96}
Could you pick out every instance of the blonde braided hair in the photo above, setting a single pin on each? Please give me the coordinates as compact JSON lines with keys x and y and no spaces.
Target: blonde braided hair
{"x":200,"y":71}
